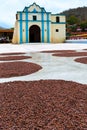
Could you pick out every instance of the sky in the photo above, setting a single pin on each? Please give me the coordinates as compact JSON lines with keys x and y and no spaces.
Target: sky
{"x":8,"y":8}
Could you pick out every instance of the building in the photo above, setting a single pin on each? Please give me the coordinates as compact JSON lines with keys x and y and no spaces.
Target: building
{"x":6,"y":35}
{"x":34,"y":24}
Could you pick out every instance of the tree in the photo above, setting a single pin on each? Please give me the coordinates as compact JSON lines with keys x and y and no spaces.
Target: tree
{"x":72,"y":20}
{"x":83,"y":26}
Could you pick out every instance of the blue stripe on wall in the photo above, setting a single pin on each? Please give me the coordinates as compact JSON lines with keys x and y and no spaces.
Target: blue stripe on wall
{"x":27,"y":27}
{"x":20,"y":27}
{"x":42,"y":27}
{"x":48,"y":29}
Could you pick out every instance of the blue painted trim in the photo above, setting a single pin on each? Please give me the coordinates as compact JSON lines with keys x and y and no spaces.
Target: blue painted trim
{"x":48,"y":29}
{"x":27,"y":34}
{"x":42,"y":27}
{"x":58,"y":23}
{"x":34,"y":20}
{"x":20,"y":27}
{"x":25,"y":9}
{"x":33,"y":12}
{"x":36,"y":5}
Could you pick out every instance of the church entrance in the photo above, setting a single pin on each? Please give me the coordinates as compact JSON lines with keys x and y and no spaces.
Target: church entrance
{"x":34,"y":33}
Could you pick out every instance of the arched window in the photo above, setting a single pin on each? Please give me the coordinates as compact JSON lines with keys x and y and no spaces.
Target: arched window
{"x":57,"y":19}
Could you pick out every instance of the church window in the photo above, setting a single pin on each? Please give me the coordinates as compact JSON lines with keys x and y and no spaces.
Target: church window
{"x":57,"y":19}
{"x":34,"y":18}
{"x":57,"y":30}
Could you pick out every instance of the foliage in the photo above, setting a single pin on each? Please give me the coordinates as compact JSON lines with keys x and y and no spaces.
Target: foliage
{"x":83,"y":26}
{"x":72,"y":20}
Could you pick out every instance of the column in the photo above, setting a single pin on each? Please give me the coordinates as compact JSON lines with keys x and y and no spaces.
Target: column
{"x":42,"y":26}
{"x":48,"y":28}
{"x":27,"y":30}
{"x":21,"y":27}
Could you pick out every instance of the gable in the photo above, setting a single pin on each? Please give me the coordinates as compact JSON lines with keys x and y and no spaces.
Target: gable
{"x":34,"y":8}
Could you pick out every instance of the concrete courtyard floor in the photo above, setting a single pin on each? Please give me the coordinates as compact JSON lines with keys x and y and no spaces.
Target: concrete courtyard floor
{"x":53,"y":67}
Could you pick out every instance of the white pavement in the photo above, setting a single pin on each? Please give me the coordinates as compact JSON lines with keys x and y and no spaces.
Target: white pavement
{"x":4,"y":48}
{"x":64,"y":68}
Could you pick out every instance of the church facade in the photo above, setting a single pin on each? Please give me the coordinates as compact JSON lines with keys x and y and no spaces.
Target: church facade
{"x":34,"y":25}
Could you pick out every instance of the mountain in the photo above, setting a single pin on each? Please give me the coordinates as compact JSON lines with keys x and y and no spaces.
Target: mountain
{"x":80,"y":13}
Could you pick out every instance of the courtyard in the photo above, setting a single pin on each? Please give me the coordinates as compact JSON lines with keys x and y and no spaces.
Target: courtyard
{"x":43,"y":86}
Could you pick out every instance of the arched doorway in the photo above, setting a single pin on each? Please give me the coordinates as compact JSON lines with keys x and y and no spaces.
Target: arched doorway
{"x":34,"y":33}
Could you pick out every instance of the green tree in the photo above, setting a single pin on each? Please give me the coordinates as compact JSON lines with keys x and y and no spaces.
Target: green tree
{"x":83,"y":26}
{"x":72,"y":20}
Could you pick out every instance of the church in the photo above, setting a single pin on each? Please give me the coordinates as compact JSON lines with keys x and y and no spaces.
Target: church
{"x":35,"y":25}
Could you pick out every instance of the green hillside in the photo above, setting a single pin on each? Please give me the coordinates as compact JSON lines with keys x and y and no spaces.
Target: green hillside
{"x":80,"y":13}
